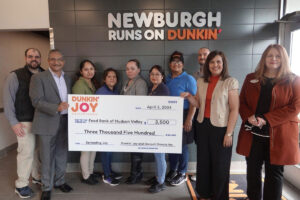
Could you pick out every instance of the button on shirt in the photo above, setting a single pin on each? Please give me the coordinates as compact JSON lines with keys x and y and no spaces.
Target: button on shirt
{"x":62,"y":88}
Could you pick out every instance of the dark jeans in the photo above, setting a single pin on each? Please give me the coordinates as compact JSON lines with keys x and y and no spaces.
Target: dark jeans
{"x":106,"y":163}
{"x":136,"y":164}
{"x":213,"y":162}
{"x":259,"y":155}
{"x":179,"y":162}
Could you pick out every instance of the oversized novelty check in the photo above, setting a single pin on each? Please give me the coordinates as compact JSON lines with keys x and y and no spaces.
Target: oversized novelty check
{"x":125,"y":123}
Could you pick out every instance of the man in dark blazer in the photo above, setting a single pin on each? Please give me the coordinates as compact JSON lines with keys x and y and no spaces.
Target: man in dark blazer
{"x":49,"y":94}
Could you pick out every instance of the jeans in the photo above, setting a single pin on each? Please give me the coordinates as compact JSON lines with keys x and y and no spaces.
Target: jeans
{"x":161,"y":167}
{"x":179,"y":162}
{"x":106,"y":163}
{"x":259,"y":155}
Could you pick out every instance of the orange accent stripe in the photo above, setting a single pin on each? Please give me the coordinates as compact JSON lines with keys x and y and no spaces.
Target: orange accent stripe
{"x":191,"y":189}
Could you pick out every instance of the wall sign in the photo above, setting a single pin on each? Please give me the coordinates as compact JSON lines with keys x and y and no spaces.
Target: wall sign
{"x":164,"y":26}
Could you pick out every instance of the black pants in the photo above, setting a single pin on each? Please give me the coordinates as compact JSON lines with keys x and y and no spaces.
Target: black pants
{"x":136,"y":164}
{"x":213,"y":162}
{"x":259,"y":155}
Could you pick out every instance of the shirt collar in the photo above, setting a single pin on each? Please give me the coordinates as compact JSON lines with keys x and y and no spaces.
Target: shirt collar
{"x":170,"y":75}
{"x":53,"y":74}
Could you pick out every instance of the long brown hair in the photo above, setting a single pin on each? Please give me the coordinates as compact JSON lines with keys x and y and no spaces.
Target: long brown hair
{"x":284,"y":70}
{"x":206,"y":73}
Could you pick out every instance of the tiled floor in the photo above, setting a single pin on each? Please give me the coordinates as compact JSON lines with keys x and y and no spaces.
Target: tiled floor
{"x":100,"y":191}
{"x":85,"y":192}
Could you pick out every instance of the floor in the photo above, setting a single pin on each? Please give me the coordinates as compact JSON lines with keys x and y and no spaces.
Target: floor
{"x":82,"y":191}
{"x":100,"y":191}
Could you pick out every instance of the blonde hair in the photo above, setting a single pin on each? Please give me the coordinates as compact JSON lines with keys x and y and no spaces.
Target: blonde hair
{"x":284,"y":70}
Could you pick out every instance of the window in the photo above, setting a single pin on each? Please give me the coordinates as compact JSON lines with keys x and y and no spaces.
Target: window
{"x":295,"y":52}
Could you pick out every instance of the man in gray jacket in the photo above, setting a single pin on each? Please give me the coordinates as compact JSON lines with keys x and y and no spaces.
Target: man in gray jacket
{"x":19,"y":112}
{"x":49,"y":94}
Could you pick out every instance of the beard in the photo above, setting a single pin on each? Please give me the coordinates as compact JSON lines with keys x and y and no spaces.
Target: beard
{"x":33,"y":65}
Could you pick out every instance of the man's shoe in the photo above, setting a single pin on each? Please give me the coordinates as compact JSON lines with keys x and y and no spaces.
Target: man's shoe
{"x":64,"y":188}
{"x":178,"y":180}
{"x":96,"y":175}
{"x":111,"y":181}
{"x":116,"y":175}
{"x":24,"y":192}
{"x":46,"y":195}
{"x":194,"y":178}
{"x":134,"y":179}
{"x":172,"y":174}
{"x":151,"y":181}
{"x":90,"y":181}
{"x":156,"y":187}
{"x":37,"y":181}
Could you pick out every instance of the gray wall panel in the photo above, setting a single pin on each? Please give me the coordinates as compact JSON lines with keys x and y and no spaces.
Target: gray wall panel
{"x":188,"y":47}
{"x":265,"y":16}
{"x":61,"y":5}
{"x":91,"y":33}
{"x":266,"y":31}
{"x":118,"y":5}
{"x":120,"y":48}
{"x":255,"y":61}
{"x":91,"y":18}
{"x":80,"y":28}
{"x":187,"y":4}
{"x":233,"y":46}
{"x":236,"y":32}
{"x":62,"y":18}
{"x":232,"y":4}
{"x":260,"y":45}
{"x":64,"y":34}
{"x":239,"y":16}
{"x":267,"y":4}
{"x":68,"y":48}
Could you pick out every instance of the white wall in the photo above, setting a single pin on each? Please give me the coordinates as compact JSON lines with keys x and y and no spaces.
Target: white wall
{"x":24,"y":14}
{"x":292,"y":6}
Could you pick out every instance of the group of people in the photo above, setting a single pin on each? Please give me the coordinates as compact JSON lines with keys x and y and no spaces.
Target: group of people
{"x":35,"y":103}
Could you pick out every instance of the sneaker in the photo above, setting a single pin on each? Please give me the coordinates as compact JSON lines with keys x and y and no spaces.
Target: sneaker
{"x":134,"y":179}
{"x":151,"y":181}
{"x":156,"y":187}
{"x":24,"y":192}
{"x":90,"y":181}
{"x":116,"y":175}
{"x":36,"y":181}
{"x":194,"y":178}
{"x":111,"y":181}
{"x":172,"y":174}
{"x":96,"y":175}
{"x":178,"y":180}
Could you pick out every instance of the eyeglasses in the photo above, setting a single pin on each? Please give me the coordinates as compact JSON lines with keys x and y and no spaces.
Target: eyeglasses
{"x":176,"y":62}
{"x":54,"y":60}
{"x":154,"y":74}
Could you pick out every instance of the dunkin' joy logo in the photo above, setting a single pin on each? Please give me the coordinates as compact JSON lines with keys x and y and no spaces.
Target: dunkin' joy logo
{"x":84,"y":103}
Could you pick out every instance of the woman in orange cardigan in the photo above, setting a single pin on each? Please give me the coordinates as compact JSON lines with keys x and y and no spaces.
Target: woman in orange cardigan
{"x":269,"y":105}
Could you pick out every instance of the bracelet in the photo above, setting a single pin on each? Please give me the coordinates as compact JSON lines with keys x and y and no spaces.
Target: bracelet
{"x":229,"y":134}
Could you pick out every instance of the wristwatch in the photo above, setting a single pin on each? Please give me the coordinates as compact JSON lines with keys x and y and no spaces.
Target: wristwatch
{"x":229,"y":134}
